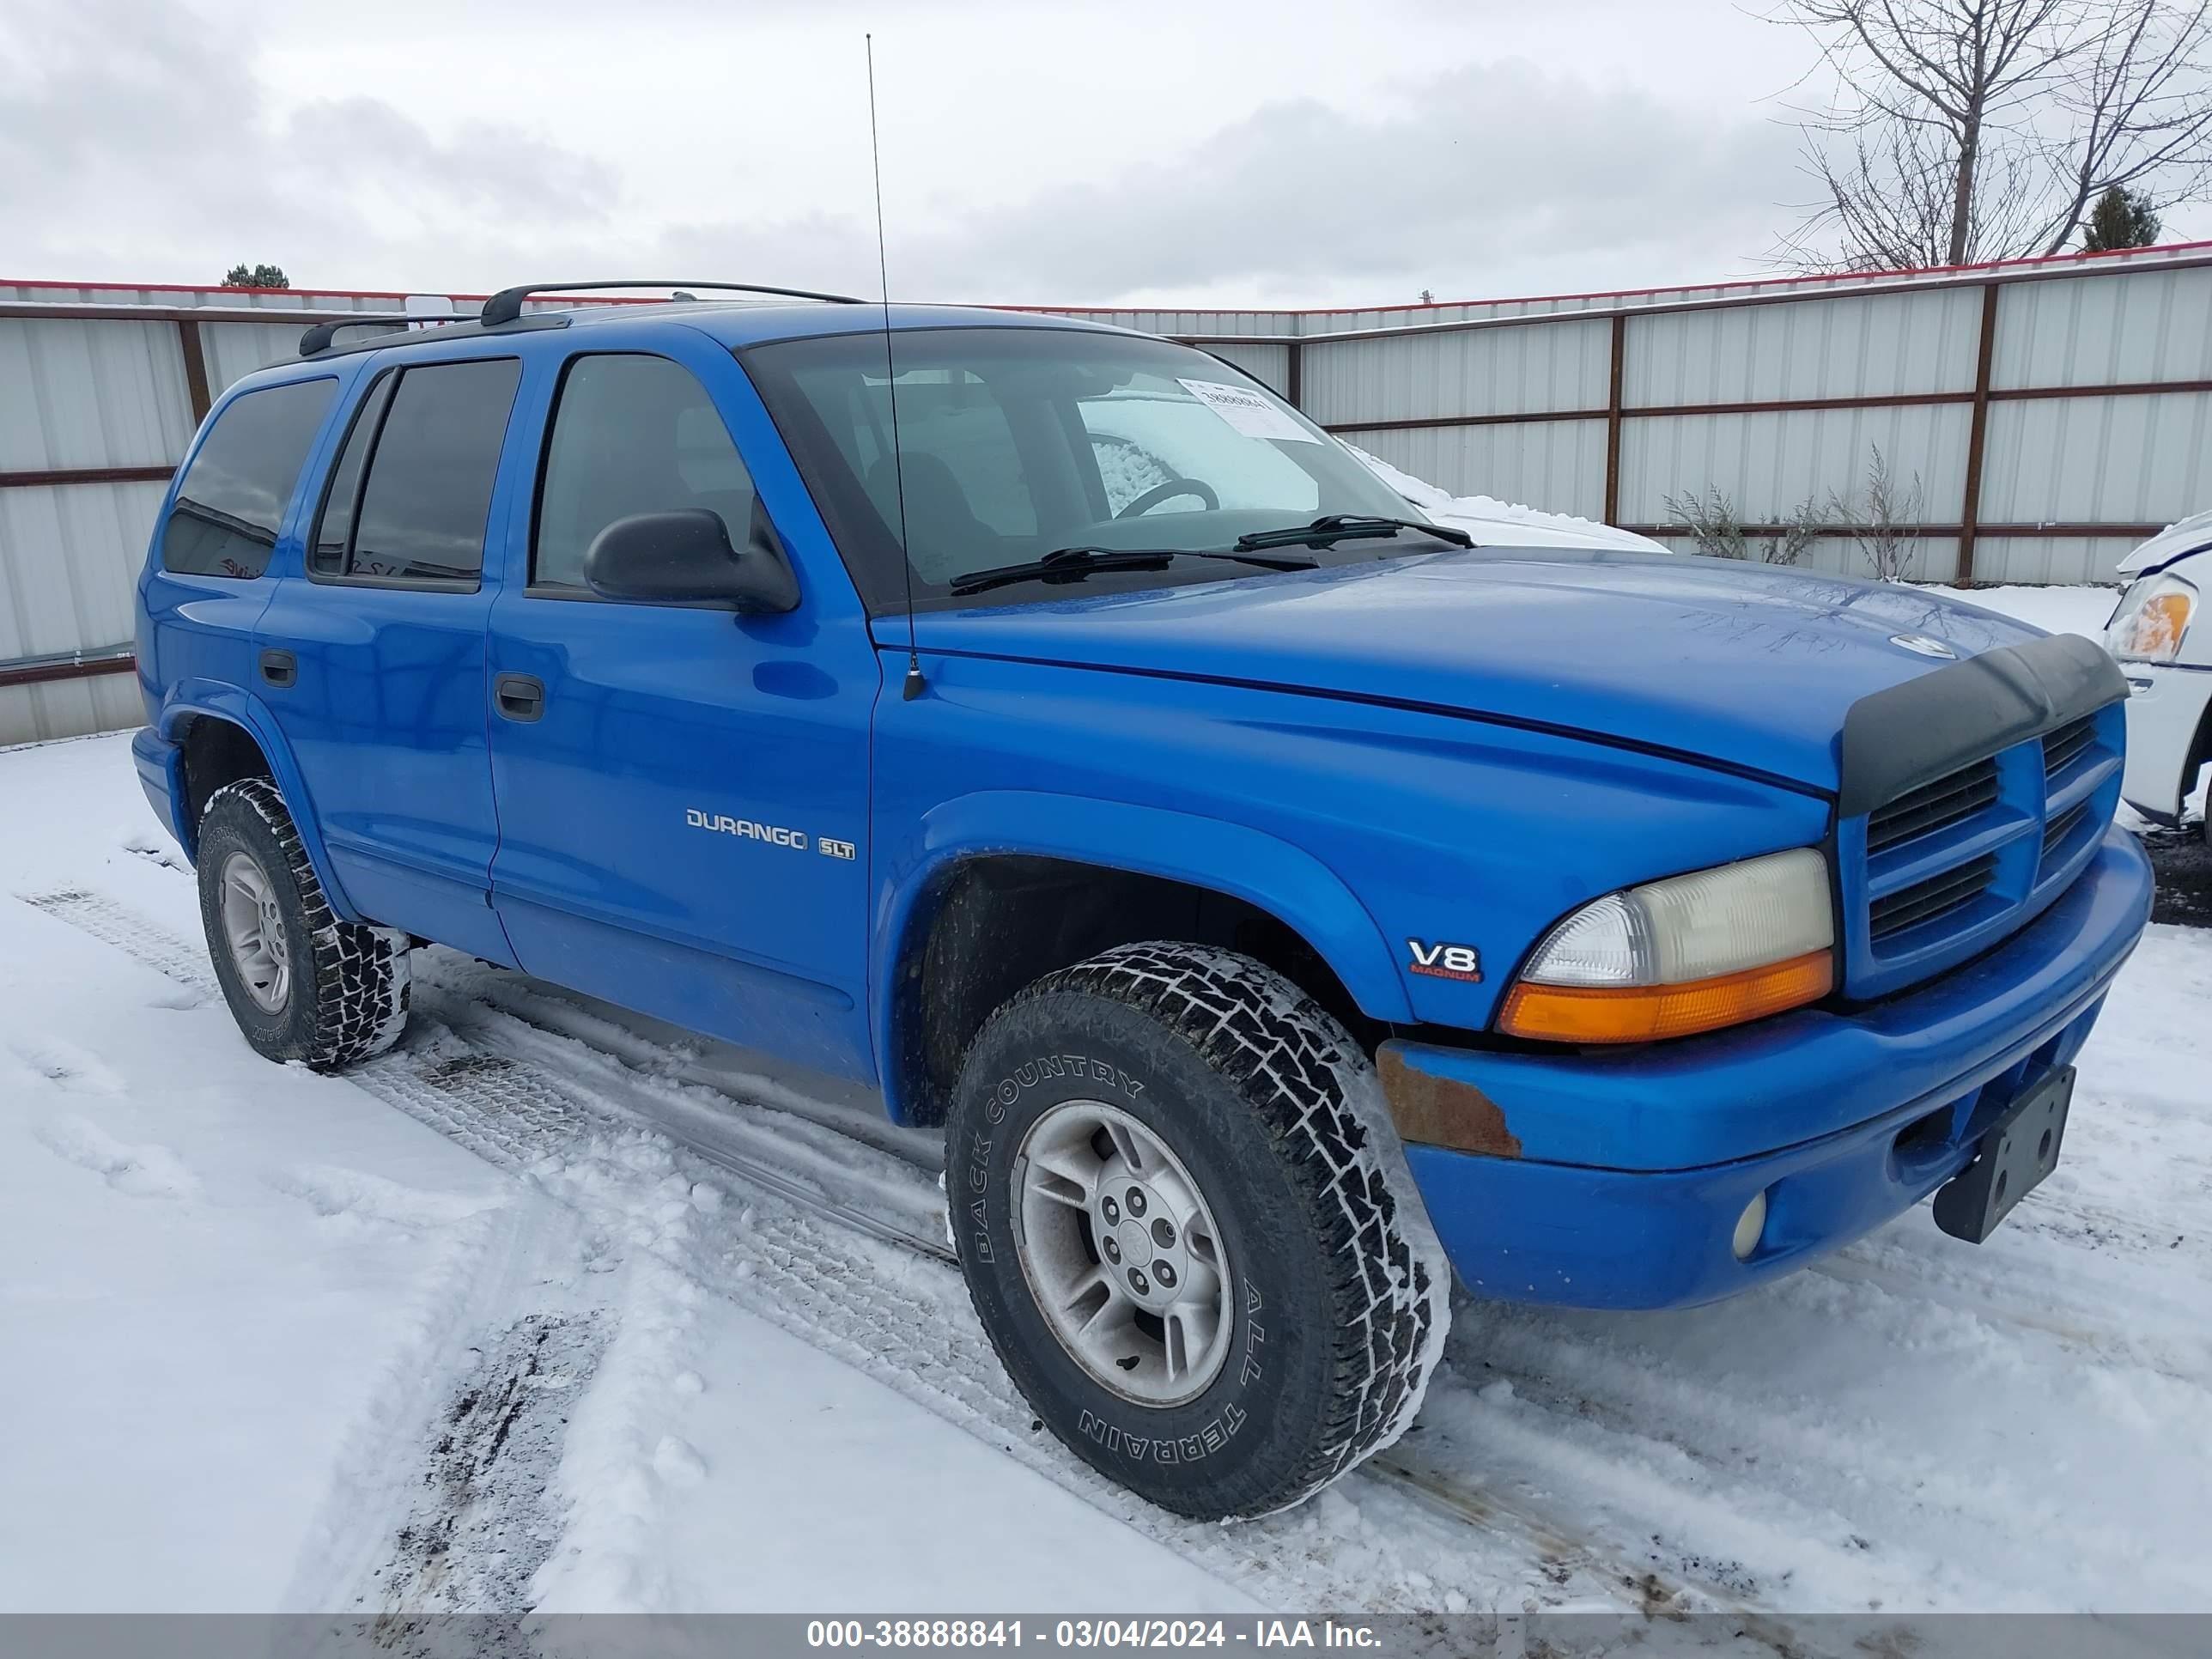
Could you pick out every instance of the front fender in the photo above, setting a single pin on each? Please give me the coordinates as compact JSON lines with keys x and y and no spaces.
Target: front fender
{"x":1287,"y":883}
{"x":196,"y":699}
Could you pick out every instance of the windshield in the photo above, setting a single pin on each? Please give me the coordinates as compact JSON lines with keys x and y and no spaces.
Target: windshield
{"x":1017,"y":442}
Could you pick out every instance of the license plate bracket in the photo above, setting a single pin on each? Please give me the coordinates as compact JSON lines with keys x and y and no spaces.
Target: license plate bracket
{"x":2014,"y":1156}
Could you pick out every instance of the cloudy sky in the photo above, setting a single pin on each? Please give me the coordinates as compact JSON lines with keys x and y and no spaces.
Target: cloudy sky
{"x":1201,"y":152}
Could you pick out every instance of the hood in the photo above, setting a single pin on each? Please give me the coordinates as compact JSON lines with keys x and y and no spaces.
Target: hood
{"x":2176,"y":541}
{"x":1751,"y":665}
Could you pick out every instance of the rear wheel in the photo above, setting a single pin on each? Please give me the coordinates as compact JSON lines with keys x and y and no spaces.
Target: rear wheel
{"x":1186,"y":1226}
{"x":302,"y":984}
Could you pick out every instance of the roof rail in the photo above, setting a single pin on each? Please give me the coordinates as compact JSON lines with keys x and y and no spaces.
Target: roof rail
{"x":319,"y":338}
{"x":505,"y":306}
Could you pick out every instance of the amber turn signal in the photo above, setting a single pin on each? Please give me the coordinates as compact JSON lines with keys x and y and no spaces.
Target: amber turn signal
{"x":1643,"y":1013}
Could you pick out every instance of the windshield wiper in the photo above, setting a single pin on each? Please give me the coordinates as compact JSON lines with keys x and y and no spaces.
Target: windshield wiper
{"x":1073,"y":564}
{"x":1344,"y":526}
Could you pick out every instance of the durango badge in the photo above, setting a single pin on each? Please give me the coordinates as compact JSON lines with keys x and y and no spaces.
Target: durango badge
{"x":1446,"y":961}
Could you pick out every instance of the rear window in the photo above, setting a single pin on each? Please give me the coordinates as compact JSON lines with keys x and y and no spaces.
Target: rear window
{"x":411,"y":494}
{"x":232,"y":502}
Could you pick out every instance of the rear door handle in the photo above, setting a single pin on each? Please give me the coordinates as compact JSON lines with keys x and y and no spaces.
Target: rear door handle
{"x":519,"y":696}
{"x":280,"y":668}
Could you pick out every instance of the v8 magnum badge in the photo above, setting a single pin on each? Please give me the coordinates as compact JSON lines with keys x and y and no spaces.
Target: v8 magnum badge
{"x":1461,"y":962}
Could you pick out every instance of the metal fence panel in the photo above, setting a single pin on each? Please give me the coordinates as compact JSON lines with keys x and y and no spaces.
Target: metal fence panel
{"x":1270,"y":365}
{"x":235,"y":350}
{"x":1539,"y":369}
{"x":68,"y":708}
{"x":2142,"y":460}
{"x":1556,"y":465}
{"x":2120,"y":329}
{"x":1769,"y":464}
{"x":2045,"y":559}
{"x":90,"y":394}
{"x":69,"y":556}
{"x":1864,"y":346}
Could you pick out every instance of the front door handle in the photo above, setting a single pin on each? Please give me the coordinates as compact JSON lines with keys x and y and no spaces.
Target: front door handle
{"x":519,"y":696}
{"x":280,"y":668}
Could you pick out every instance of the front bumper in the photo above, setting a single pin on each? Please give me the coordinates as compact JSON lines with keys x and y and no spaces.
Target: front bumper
{"x":1615,"y":1178}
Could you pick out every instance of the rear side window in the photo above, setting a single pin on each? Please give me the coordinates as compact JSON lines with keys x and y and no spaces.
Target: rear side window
{"x":411,"y":493}
{"x":632,"y":434}
{"x":233,"y":499}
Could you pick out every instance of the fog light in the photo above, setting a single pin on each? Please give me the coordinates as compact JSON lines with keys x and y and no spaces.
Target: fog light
{"x":1749,"y":1226}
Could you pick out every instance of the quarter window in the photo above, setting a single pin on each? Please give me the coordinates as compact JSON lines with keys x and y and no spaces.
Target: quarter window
{"x":232,"y":502}
{"x":632,"y":434}
{"x":411,"y":496}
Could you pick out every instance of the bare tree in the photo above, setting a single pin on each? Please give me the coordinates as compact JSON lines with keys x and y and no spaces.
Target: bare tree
{"x":1964,"y":129}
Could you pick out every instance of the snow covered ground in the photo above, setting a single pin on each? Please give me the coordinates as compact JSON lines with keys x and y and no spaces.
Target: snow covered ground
{"x":557,"y":1308}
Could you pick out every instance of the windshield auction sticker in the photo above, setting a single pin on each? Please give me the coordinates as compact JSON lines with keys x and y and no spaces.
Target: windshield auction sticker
{"x":1248,"y":411}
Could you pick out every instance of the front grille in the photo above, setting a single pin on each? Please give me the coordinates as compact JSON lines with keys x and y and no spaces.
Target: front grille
{"x":1924,"y":901}
{"x":1950,"y":799}
{"x":2062,"y":747}
{"x":2055,"y":832}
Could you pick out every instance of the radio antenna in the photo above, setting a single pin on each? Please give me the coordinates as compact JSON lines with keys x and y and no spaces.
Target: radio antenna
{"x":915,"y":682}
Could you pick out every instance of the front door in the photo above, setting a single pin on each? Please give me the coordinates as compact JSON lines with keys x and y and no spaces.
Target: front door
{"x":373,"y":660}
{"x":683,"y":792}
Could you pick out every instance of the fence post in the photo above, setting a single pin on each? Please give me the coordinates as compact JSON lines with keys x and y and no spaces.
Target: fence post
{"x":1613,"y":420}
{"x":1969,"y":515}
{"x":196,"y":375}
{"x":1294,"y":374}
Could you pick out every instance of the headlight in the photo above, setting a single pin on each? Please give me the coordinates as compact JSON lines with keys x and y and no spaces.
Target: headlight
{"x":2152,"y":620}
{"x":1687,"y":954}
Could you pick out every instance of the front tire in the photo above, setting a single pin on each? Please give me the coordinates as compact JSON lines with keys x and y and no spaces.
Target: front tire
{"x":302,"y":984}
{"x":1176,"y":1104}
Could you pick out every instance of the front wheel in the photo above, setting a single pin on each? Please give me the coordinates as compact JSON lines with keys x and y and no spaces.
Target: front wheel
{"x":302,"y":984}
{"x":1186,"y":1226}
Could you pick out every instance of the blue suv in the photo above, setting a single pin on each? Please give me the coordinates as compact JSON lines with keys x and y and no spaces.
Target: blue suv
{"x":1273,"y":899}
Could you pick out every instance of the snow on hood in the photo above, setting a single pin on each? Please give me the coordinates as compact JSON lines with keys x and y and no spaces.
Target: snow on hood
{"x":2191,"y":535}
{"x":1493,"y":523}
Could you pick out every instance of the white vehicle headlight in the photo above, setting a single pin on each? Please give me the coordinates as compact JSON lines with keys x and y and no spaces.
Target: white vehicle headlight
{"x":1687,"y":954}
{"x":2152,"y":620}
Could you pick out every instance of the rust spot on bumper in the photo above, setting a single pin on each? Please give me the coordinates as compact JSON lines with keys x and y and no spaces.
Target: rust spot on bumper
{"x":1438,"y":1111}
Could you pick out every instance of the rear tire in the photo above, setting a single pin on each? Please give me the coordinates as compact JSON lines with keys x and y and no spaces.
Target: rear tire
{"x":1221,"y":1096}
{"x":302,"y":984}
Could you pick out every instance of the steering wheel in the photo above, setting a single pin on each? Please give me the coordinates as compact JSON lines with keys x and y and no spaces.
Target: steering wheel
{"x":1167,"y":492}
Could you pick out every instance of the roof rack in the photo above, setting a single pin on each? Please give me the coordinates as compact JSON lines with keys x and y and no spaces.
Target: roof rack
{"x":319,"y":338}
{"x":505,"y":306}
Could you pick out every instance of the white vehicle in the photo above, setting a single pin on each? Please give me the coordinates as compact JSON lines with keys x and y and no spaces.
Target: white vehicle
{"x":2169,"y":668}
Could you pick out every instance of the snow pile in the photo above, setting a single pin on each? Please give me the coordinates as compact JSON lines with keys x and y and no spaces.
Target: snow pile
{"x":2080,"y":610}
{"x":1493,"y":523}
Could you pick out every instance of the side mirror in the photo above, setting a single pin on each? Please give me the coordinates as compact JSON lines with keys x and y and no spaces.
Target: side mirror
{"x":684,"y":556}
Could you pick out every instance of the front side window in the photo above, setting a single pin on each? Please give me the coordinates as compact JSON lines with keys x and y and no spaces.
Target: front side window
{"x":232,"y":502}
{"x":410,"y":495}
{"x":1016,"y":443}
{"x":631,"y":434}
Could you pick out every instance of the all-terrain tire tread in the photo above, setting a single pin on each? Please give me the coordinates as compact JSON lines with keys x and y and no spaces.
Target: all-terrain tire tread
{"x":1297,"y":1067}
{"x":357,"y":974}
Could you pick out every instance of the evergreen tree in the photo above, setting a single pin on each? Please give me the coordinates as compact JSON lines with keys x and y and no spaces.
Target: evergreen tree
{"x":2121,"y":219}
{"x":257,"y":276}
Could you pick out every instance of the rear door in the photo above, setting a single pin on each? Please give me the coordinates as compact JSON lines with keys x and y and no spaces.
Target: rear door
{"x":683,"y":792}
{"x":373,"y":660}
